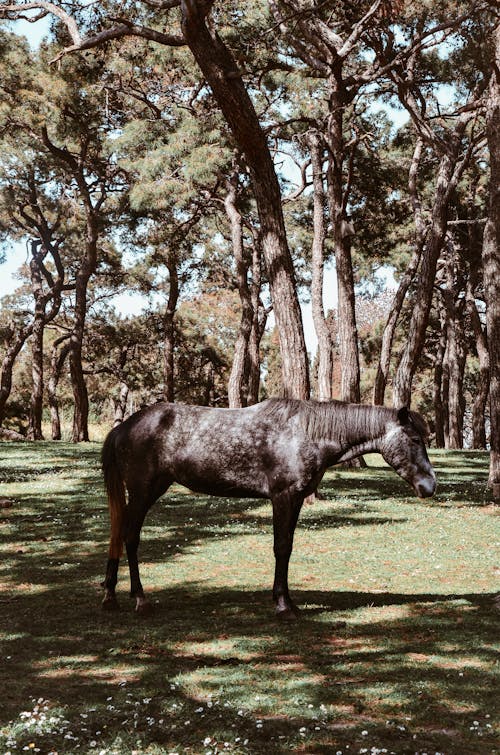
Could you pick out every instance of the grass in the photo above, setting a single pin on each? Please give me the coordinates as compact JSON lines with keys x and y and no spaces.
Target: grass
{"x":394,"y":650}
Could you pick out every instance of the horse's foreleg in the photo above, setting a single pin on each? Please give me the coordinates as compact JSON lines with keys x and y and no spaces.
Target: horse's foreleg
{"x":286,"y":509}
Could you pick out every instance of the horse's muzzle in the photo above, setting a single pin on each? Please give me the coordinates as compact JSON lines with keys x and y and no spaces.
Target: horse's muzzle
{"x":425,"y":488}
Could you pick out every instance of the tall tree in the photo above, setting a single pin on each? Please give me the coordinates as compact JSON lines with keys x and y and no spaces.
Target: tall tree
{"x":491,"y":260}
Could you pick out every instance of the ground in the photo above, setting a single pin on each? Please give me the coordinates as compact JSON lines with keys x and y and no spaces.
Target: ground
{"x":394,"y":650}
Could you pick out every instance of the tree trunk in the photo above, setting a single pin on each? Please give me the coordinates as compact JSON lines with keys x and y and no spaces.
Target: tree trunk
{"x":423,"y":297}
{"x":491,"y":265}
{"x":382,"y":376}
{"x":81,"y":400}
{"x":456,"y":360}
{"x":120,"y":404}
{"x":384,"y":362}
{"x":325,"y":345}
{"x":259,"y":321}
{"x":483,"y":384}
{"x":238,"y":378}
{"x":445,"y":393}
{"x":58,"y":357}
{"x":456,"y":352}
{"x":36,"y":401}
{"x":342,"y":230}
{"x":169,"y":329}
{"x":15,"y":345}
{"x":222,"y":75}
{"x":439,"y":413}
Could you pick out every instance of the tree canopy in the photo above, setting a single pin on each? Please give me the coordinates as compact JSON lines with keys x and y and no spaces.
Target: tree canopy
{"x":215,"y":157}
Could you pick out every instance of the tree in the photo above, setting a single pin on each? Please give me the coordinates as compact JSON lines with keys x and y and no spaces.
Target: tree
{"x":491,"y":260}
{"x":222,"y":75}
{"x":455,"y":146}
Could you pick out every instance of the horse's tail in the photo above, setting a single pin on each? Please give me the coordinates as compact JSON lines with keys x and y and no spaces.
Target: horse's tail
{"x":115,"y":488}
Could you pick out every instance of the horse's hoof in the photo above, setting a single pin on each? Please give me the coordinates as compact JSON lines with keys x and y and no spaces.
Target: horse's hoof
{"x":143,"y":607}
{"x":110,"y":604}
{"x":288,"y":614}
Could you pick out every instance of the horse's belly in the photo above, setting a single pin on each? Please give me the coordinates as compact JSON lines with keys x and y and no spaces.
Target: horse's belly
{"x":221,"y":487}
{"x":214,"y":480}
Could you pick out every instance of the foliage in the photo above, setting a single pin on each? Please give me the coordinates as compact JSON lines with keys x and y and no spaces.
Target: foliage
{"x":141,"y":120}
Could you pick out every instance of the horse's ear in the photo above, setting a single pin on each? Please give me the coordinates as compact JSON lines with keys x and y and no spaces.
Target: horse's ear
{"x":403,"y":415}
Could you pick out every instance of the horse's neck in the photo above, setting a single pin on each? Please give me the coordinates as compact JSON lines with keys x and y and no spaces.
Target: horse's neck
{"x":364,"y":429}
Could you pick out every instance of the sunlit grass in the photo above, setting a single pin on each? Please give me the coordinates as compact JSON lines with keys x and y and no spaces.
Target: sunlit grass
{"x":394,"y":651}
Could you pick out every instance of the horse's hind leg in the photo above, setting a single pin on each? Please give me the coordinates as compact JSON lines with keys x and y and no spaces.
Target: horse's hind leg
{"x":136,"y":513}
{"x":110,"y":602}
{"x":139,"y":504}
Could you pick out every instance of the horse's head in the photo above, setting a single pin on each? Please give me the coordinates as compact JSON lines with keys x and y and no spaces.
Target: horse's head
{"x":403,"y":447}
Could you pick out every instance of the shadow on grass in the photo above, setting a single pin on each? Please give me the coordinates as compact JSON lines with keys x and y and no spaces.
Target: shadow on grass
{"x":405,"y":672}
{"x":215,"y":665}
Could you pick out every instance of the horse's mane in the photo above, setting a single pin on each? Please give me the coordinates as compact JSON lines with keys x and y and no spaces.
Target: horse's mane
{"x":339,"y":420}
{"x":420,"y":424}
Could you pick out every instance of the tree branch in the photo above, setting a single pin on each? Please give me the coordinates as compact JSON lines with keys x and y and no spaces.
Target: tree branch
{"x":48,"y":7}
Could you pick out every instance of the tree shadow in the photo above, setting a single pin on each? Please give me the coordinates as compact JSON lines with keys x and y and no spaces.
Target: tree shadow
{"x":121,"y":676}
{"x":359,"y":668}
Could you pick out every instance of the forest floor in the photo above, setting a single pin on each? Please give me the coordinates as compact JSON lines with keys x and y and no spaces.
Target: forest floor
{"x":394,"y":651}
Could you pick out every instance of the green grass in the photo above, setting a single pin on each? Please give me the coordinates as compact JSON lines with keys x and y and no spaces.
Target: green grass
{"x":394,"y":650}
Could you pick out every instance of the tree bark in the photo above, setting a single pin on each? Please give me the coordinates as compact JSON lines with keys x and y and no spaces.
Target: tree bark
{"x":16,"y":343}
{"x":342,"y":230}
{"x":238,"y":377}
{"x":439,"y":412}
{"x":491,"y":264}
{"x":169,"y":328}
{"x":382,"y":376}
{"x":87,"y":268}
{"x":120,"y":404}
{"x":325,"y":344}
{"x":456,"y":361}
{"x":483,"y":384}
{"x":259,"y":321}
{"x":36,"y":401}
{"x":222,"y":75}
{"x":80,"y":430}
{"x":423,"y":298}
{"x":58,"y":358}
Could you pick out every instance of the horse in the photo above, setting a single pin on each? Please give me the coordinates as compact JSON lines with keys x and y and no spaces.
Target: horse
{"x":277,"y":449}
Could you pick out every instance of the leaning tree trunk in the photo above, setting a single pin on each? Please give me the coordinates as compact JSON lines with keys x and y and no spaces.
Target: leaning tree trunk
{"x":238,"y":377}
{"x":423,"y":297}
{"x":221,"y":72}
{"x":323,"y":333}
{"x":491,"y":265}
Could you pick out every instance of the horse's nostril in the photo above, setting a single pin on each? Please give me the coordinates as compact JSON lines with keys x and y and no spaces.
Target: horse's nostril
{"x":426,"y":489}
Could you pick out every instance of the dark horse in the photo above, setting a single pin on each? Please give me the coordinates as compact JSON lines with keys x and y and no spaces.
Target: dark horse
{"x":278,"y":449}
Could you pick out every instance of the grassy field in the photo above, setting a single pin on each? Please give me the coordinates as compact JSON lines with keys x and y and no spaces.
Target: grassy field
{"x":394,"y":650}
